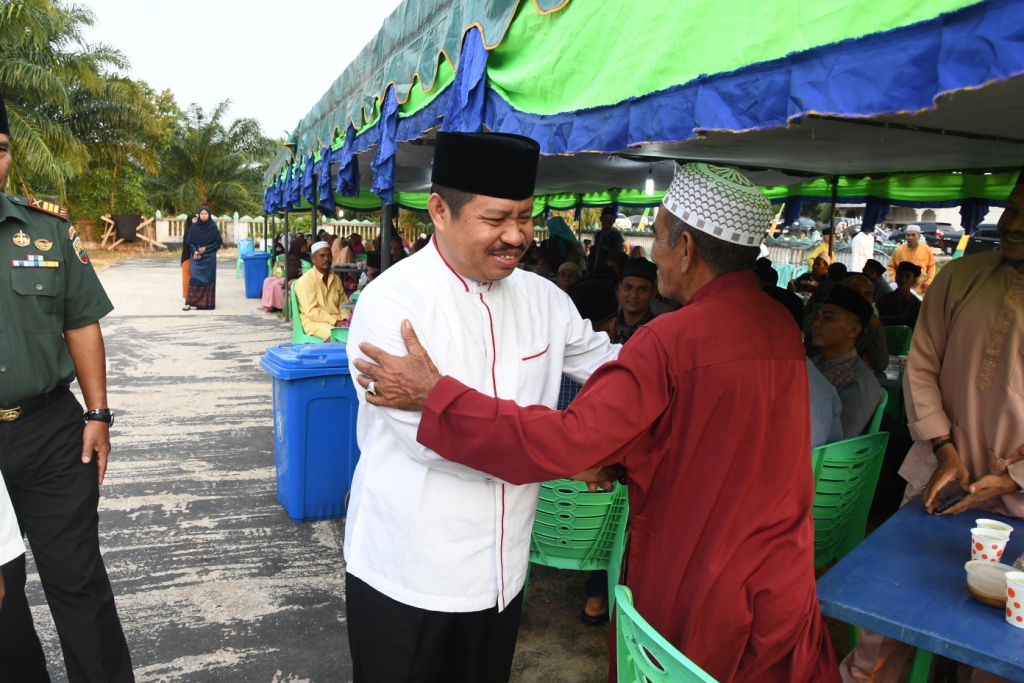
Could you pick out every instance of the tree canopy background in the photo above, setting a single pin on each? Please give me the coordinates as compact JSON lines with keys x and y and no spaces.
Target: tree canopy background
{"x":87,"y":136}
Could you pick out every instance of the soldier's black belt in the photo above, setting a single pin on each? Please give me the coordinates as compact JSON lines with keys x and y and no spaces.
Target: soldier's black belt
{"x":9,"y":412}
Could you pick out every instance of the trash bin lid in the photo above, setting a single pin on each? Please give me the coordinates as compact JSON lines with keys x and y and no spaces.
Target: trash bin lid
{"x":299,"y":361}
{"x":256,"y":254}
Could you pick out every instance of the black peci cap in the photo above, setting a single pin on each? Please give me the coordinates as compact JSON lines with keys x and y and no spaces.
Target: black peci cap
{"x":595,"y":298}
{"x":909,"y":267}
{"x":791,"y":301}
{"x":373,"y":259}
{"x":642,"y":268}
{"x":852,"y":301}
{"x":492,"y":164}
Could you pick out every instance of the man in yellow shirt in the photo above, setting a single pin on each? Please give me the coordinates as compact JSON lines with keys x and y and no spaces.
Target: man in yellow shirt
{"x":822,"y":248}
{"x":320,"y":295}
{"x":918,"y":254}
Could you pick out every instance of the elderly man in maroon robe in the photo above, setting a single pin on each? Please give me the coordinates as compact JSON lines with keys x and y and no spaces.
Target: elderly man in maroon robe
{"x":715,"y":450}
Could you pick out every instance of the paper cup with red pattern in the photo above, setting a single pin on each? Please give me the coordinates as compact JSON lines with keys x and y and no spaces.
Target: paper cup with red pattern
{"x":988,"y":544}
{"x":1015,"y":598}
{"x":993,"y":525}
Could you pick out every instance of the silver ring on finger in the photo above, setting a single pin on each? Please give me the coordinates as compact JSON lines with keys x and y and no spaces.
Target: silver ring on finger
{"x":372,"y":389}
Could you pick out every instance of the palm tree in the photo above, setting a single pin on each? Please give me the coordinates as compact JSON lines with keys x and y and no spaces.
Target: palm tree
{"x":209,"y":163}
{"x":63,"y":96}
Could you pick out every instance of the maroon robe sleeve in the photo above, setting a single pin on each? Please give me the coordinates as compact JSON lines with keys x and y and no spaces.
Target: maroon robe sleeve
{"x":522,"y":445}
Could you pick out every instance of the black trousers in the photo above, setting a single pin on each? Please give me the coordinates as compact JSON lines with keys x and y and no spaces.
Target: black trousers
{"x":55,"y":497}
{"x":394,"y":643}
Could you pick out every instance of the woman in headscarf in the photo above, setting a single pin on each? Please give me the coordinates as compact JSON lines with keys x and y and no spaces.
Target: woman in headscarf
{"x":274,"y":287}
{"x":355,"y":242}
{"x":203,"y":242}
{"x":186,"y":262}
{"x":341,"y":255}
{"x":341,"y":252}
{"x":562,"y":238}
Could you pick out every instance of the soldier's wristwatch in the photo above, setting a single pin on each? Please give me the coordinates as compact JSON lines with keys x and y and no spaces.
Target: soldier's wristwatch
{"x":100,"y":415}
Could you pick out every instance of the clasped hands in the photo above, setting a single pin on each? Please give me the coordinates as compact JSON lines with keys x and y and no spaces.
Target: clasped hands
{"x":405,"y":382}
{"x":951,"y":468}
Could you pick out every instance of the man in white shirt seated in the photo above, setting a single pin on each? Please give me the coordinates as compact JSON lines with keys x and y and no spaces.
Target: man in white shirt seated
{"x":320,"y":295}
{"x":437,"y":552}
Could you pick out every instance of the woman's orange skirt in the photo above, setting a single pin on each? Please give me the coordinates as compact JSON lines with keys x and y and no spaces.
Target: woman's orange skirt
{"x":186,"y":273}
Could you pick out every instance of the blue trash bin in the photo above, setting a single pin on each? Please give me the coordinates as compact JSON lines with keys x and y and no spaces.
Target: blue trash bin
{"x":255,"y":267}
{"x":315,"y":408}
{"x":246,"y":246}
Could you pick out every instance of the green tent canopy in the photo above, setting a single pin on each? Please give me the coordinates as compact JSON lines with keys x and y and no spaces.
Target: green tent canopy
{"x":787,"y":90}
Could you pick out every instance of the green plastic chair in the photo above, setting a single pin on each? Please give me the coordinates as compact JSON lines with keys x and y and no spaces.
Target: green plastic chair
{"x":876,"y":419}
{"x":642,"y":655}
{"x":280,"y":258}
{"x":845,"y":476}
{"x":894,"y":407}
{"x":577,"y":529}
{"x":898,"y":338}
{"x":299,"y":335}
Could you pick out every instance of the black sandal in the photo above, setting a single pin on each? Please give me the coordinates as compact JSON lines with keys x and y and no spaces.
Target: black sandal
{"x":599,"y":620}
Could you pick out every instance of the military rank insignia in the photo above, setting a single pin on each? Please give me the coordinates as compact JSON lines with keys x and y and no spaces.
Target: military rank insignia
{"x":48,"y":207}
{"x":35,"y":261}
{"x":76,"y":242}
{"x":21,"y":239}
{"x":43,"y":244}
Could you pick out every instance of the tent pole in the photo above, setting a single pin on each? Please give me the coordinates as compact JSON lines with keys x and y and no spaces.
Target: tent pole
{"x":832,"y":213}
{"x":386,"y":228}
{"x":313,"y":214}
{"x":287,"y":289}
{"x":264,"y":232}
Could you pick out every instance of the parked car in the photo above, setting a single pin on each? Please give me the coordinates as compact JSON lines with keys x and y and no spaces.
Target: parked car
{"x":984,"y":238}
{"x":940,"y":235}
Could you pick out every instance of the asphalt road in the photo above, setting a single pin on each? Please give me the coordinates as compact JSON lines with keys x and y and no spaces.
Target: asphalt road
{"x":213,"y":581}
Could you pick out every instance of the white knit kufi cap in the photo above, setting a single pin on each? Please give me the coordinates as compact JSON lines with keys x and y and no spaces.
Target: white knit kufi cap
{"x":721,"y":202}
{"x":317,"y":246}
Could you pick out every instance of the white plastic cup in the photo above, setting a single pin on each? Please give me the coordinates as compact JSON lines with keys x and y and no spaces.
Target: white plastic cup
{"x":903,"y":364}
{"x":1015,"y":599}
{"x":988,"y":545}
{"x":993,"y":525}
{"x":992,"y":532}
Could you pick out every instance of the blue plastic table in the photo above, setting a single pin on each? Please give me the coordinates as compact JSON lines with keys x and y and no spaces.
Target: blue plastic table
{"x":907,"y":581}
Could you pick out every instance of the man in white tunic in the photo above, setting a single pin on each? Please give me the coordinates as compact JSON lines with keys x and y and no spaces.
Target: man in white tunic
{"x":11,"y":545}
{"x":437,"y":552}
{"x":863,"y":248}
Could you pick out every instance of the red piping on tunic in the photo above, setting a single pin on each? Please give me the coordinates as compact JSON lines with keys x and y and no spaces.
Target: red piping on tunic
{"x":494,"y":383}
{"x":501,"y":548}
{"x":445,"y":261}
{"x":494,"y":346}
{"x":538,"y":355}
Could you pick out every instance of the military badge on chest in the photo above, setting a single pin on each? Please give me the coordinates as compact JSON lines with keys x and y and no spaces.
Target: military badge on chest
{"x":21,"y":239}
